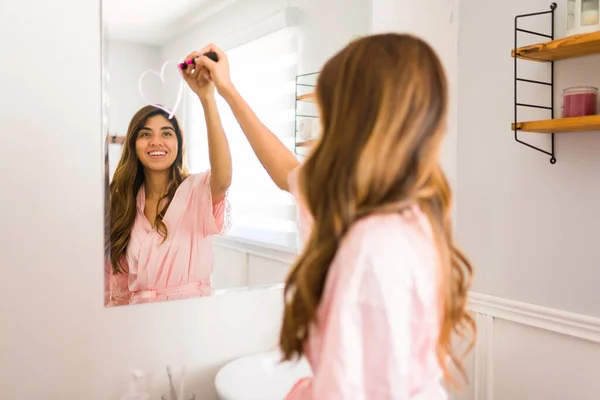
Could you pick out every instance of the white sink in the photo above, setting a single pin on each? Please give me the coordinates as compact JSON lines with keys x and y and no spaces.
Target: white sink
{"x":259,"y":377}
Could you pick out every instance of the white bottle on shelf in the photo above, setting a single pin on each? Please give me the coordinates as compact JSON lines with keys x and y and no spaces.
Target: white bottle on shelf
{"x":583,"y":16}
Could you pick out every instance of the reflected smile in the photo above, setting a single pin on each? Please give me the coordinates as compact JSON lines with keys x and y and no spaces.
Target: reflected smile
{"x":157,"y":154}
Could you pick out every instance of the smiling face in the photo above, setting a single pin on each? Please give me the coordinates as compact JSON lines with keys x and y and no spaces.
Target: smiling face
{"x":156,"y":144}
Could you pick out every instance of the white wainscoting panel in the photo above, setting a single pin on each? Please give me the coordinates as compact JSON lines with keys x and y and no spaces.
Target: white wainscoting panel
{"x":529,"y":352}
{"x":266,"y":271}
{"x":231,"y":268}
{"x":240,"y":264}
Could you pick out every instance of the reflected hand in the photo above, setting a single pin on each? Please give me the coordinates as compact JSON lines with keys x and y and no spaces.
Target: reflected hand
{"x":219,"y":71}
{"x":198,"y":78}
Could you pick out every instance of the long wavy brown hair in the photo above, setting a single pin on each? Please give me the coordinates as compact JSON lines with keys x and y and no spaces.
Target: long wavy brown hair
{"x":127,"y":181}
{"x":383,"y":104}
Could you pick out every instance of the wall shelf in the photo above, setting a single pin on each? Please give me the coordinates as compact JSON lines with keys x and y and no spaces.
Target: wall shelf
{"x":306,"y":143}
{"x":560,"y":125}
{"x":561,"y":49}
{"x":115,"y":139}
{"x":306,"y":97}
{"x":551,"y":51}
{"x":305,"y":108}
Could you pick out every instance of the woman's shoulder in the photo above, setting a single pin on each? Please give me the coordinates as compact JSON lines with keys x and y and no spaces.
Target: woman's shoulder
{"x":380,"y":231}
{"x":391,"y":246}
{"x":197,"y":180}
{"x":195,"y":177}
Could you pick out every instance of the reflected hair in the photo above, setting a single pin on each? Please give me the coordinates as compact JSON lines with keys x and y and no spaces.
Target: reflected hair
{"x":383,"y":105}
{"x":127,"y":181}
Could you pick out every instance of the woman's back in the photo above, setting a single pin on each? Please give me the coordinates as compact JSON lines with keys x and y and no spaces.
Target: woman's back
{"x":378,"y":319}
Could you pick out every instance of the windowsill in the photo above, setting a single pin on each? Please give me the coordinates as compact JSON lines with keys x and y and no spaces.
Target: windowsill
{"x":275,"y":247}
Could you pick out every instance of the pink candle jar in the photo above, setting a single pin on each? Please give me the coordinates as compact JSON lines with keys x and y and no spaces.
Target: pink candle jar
{"x":579,"y":101}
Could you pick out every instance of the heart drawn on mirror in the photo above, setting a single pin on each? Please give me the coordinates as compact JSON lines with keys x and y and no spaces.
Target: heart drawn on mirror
{"x":161,"y":76}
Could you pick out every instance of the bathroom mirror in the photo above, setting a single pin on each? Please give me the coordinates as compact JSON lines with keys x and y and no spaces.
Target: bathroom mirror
{"x":204,"y":246}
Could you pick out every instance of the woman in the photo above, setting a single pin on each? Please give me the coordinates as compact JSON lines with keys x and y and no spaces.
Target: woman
{"x":161,"y":217}
{"x":380,"y":288}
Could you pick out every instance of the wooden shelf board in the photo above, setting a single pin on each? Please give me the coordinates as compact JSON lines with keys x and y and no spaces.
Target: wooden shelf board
{"x":561,"y":125}
{"x":306,"y":143}
{"x":306,"y":97}
{"x":115,"y":139}
{"x":569,"y":47}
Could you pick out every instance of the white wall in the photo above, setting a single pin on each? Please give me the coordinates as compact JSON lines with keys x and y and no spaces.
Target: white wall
{"x":529,"y":227}
{"x":125,"y":62}
{"x":328,"y":26}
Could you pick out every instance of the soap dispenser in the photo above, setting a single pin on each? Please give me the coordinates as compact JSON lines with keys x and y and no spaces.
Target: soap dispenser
{"x":137,"y":387}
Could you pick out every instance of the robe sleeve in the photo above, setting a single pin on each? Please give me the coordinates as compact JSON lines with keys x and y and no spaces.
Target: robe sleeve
{"x":216,"y":218}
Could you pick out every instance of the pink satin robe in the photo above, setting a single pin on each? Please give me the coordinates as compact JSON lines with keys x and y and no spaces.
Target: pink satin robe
{"x":378,"y":318}
{"x":182,"y":266}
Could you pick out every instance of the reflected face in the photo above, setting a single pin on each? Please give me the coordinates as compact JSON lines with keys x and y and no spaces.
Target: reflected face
{"x":156,"y":144}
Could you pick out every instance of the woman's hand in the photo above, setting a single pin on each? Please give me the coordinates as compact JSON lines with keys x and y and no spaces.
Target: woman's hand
{"x":198,"y":78}
{"x":275,"y":157}
{"x":219,"y":71}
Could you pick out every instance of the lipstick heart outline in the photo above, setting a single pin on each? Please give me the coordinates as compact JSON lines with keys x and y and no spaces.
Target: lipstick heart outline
{"x":161,"y":76}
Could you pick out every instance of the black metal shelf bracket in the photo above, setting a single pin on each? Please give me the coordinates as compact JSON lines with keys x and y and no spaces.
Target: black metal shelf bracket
{"x":551,"y":83}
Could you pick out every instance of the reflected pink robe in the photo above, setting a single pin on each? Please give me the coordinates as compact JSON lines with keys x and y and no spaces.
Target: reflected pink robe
{"x":378,"y":318}
{"x":182,"y":266}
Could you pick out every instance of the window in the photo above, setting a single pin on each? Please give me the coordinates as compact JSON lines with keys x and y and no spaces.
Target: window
{"x":264,"y":72}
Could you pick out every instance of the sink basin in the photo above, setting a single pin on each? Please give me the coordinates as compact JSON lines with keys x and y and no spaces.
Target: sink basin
{"x":259,"y":377}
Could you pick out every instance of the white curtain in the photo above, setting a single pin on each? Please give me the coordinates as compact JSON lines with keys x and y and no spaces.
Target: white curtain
{"x":264,"y":72}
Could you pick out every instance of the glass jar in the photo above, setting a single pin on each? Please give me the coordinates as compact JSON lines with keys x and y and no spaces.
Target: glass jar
{"x":583,"y":16}
{"x":579,"y":101}
{"x":589,"y":12}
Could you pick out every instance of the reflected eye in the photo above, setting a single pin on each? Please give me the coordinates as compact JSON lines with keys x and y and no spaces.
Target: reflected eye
{"x":167,"y":133}
{"x":144,"y":134}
